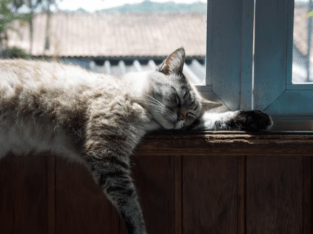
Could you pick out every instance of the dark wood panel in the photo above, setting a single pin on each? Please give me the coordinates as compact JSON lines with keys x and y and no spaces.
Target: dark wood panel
{"x":155,"y":181}
{"x":51,"y":177}
{"x":210,"y":195}
{"x":7,"y":191}
{"x":81,"y":207}
{"x":23,"y":195}
{"x":178,"y":195}
{"x":274,"y":195}
{"x":241,"y":218}
{"x":307,"y":195}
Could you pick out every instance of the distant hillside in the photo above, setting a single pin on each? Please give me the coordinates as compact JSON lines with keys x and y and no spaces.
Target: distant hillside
{"x":148,"y":6}
{"x":81,"y":10}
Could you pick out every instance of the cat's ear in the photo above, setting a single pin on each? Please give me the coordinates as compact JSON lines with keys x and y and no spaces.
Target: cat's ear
{"x":207,"y":105}
{"x":174,"y":63}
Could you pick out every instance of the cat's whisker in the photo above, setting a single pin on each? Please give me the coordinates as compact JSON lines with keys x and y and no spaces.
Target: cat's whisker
{"x":155,"y":100}
{"x":155,"y":105}
{"x":163,"y":109}
{"x":160,"y":108}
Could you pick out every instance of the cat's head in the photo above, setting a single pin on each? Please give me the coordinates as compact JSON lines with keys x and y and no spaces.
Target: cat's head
{"x":173,"y":102}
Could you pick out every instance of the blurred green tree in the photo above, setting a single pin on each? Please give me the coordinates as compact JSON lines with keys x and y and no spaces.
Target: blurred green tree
{"x":9,"y":12}
{"x":7,"y":16}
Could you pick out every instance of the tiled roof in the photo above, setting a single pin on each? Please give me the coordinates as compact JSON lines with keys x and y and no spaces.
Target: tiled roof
{"x":107,"y":35}
{"x":114,"y":35}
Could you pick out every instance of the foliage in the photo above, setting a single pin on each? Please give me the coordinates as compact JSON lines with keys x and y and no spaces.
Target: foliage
{"x":7,"y":16}
{"x":17,"y":53}
{"x":8,"y":13}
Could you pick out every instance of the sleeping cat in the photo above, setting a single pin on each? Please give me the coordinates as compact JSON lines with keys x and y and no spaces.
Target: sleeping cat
{"x":71,"y":111}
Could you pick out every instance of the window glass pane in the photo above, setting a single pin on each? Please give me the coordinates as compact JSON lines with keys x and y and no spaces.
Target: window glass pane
{"x":114,"y":36}
{"x":302,"y":64}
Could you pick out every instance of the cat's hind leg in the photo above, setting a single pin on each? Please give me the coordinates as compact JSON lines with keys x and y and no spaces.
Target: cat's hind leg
{"x":114,"y":177}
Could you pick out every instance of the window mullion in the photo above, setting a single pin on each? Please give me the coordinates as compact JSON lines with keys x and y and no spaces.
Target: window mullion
{"x":229,"y":51}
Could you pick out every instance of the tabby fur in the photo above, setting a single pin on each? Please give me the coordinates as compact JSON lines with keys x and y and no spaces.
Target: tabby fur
{"x":99,"y":119}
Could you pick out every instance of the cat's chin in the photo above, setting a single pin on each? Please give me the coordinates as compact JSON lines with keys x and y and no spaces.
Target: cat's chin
{"x":173,"y":126}
{"x":163,"y":124}
{"x":169,"y":126}
{"x":179,"y":125}
{"x":152,"y":126}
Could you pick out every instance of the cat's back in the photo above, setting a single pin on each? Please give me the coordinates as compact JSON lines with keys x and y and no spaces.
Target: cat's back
{"x":40,"y":100}
{"x":46,"y":84}
{"x":33,"y":75}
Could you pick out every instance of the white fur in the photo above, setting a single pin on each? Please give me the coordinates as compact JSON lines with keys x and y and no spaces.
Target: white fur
{"x":21,"y":140}
{"x":209,"y":120}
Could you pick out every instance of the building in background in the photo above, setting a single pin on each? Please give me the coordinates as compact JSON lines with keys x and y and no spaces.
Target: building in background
{"x":302,"y":68}
{"x":117,"y":43}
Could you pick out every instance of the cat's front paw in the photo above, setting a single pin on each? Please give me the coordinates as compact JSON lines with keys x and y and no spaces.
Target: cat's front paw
{"x":253,"y":120}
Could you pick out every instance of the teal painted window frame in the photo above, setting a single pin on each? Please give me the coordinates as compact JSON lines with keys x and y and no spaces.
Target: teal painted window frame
{"x":274,"y":92}
{"x":229,"y":53}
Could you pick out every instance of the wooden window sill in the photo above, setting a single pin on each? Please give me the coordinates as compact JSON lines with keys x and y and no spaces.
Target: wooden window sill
{"x":227,"y":143}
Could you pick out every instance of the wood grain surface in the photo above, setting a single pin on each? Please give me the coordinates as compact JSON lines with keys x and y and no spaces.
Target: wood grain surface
{"x":23,"y":195}
{"x":155,"y":180}
{"x":209,"y":195}
{"x":229,"y":143}
{"x":247,"y":191}
{"x":307,"y":195}
{"x":81,"y":207}
{"x":274,"y":195}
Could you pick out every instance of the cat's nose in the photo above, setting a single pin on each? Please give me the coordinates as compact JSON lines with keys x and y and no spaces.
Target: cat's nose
{"x":180,"y":117}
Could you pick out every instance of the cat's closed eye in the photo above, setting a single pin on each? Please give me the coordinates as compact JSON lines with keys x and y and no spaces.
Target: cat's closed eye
{"x":177,"y":99}
{"x":187,"y":95}
{"x":191,"y":115}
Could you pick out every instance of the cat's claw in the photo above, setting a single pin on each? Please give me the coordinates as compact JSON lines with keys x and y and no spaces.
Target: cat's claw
{"x":253,"y":120}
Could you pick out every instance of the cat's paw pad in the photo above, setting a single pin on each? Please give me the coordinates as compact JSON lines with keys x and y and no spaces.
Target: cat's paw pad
{"x":253,"y":120}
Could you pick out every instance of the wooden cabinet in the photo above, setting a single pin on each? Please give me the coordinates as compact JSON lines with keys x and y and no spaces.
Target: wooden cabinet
{"x":199,"y":183}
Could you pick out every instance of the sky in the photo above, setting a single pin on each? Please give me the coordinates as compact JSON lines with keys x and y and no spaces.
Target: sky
{"x":93,"y":5}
